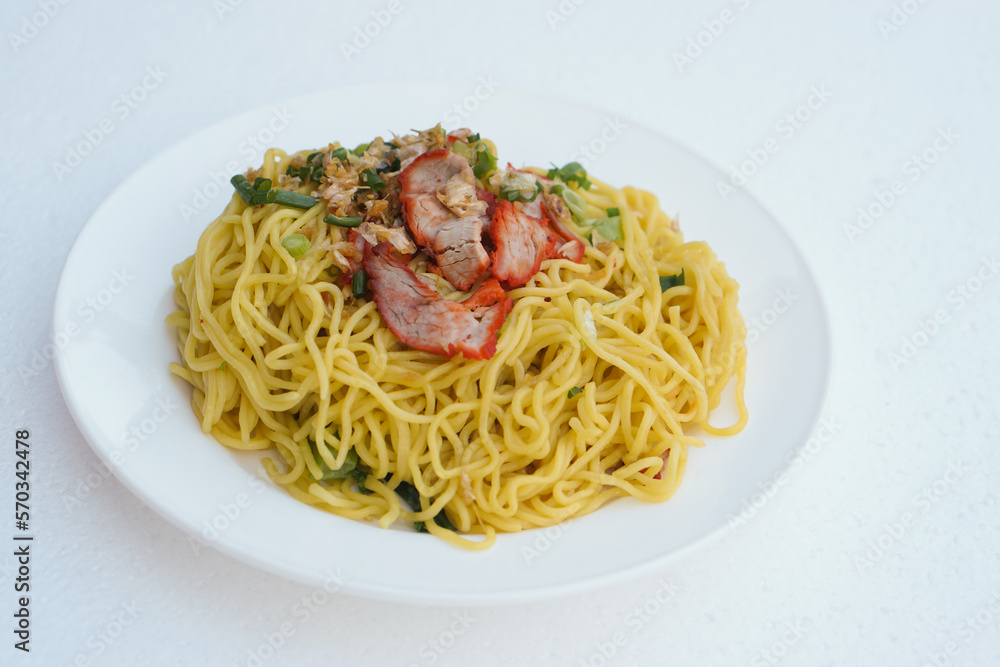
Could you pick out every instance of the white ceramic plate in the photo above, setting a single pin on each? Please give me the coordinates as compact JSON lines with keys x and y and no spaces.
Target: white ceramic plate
{"x":116,"y":290}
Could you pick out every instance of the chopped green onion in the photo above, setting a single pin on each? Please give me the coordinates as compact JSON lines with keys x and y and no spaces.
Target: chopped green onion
{"x":360,"y":476}
{"x":312,"y":170}
{"x":472,"y":138}
{"x":340,"y":154}
{"x":330,"y":272}
{"x":609,"y":228}
{"x":573,"y":392}
{"x":515,"y":194}
{"x":392,"y":166}
{"x":293,"y":199}
{"x":666,"y":282}
{"x":369,"y":178}
{"x":359,"y":284}
{"x":350,"y":221}
{"x":571,"y":172}
{"x":222,"y":366}
{"x":612,"y":212}
{"x":577,"y":205}
{"x":346,"y":470}
{"x":485,"y":163}
{"x":262,"y":193}
{"x":411,"y":497}
{"x":465,"y":150}
{"x":296,"y":245}
{"x":244,"y":189}
{"x":360,"y":150}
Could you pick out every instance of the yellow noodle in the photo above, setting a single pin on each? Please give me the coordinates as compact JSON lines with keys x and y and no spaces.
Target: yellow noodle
{"x":277,"y":356}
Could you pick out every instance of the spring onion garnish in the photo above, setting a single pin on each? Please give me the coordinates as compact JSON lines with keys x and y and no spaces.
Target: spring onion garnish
{"x":666,"y":282}
{"x":360,"y":150}
{"x":485,"y":163}
{"x":515,"y":194}
{"x":312,"y":170}
{"x":296,"y":245}
{"x":465,"y":150}
{"x":411,"y":497}
{"x":371,"y":179}
{"x":360,"y":476}
{"x":577,"y":205}
{"x":250,"y":195}
{"x":472,"y":138}
{"x":610,"y":229}
{"x":261,"y":192}
{"x":359,"y":284}
{"x":346,"y":470}
{"x":294,"y":199}
{"x":393,"y":165}
{"x":340,"y":154}
{"x":573,"y":392}
{"x":612,"y":212}
{"x":350,"y":221}
{"x":333,"y":272}
{"x":572,"y":172}
{"x":222,"y":366}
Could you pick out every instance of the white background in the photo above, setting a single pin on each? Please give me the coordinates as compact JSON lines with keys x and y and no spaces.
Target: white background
{"x":873,"y":551}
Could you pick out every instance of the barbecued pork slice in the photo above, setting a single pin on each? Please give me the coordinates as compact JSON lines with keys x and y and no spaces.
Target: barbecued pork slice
{"x":457,"y":248}
{"x":521,"y":241}
{"x":424,"y":320}
{"x":559,"y":216}
{"x":491,"y":206}
{"x":455,"y":241}
{"x":553,"y":208}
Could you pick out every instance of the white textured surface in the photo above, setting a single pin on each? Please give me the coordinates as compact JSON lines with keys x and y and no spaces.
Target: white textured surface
{"x":898,"y":429}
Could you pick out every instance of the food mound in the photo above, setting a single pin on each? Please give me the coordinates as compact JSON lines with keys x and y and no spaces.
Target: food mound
{"x":420,"y":334}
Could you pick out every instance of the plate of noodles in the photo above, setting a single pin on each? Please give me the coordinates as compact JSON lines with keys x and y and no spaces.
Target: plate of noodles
{"x":524,"y":349}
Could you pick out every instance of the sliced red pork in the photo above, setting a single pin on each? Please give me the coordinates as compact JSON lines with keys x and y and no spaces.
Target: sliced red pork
{"x":424,"y":320}
{"x":521,"y":242}
{"x":444,"y":214}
